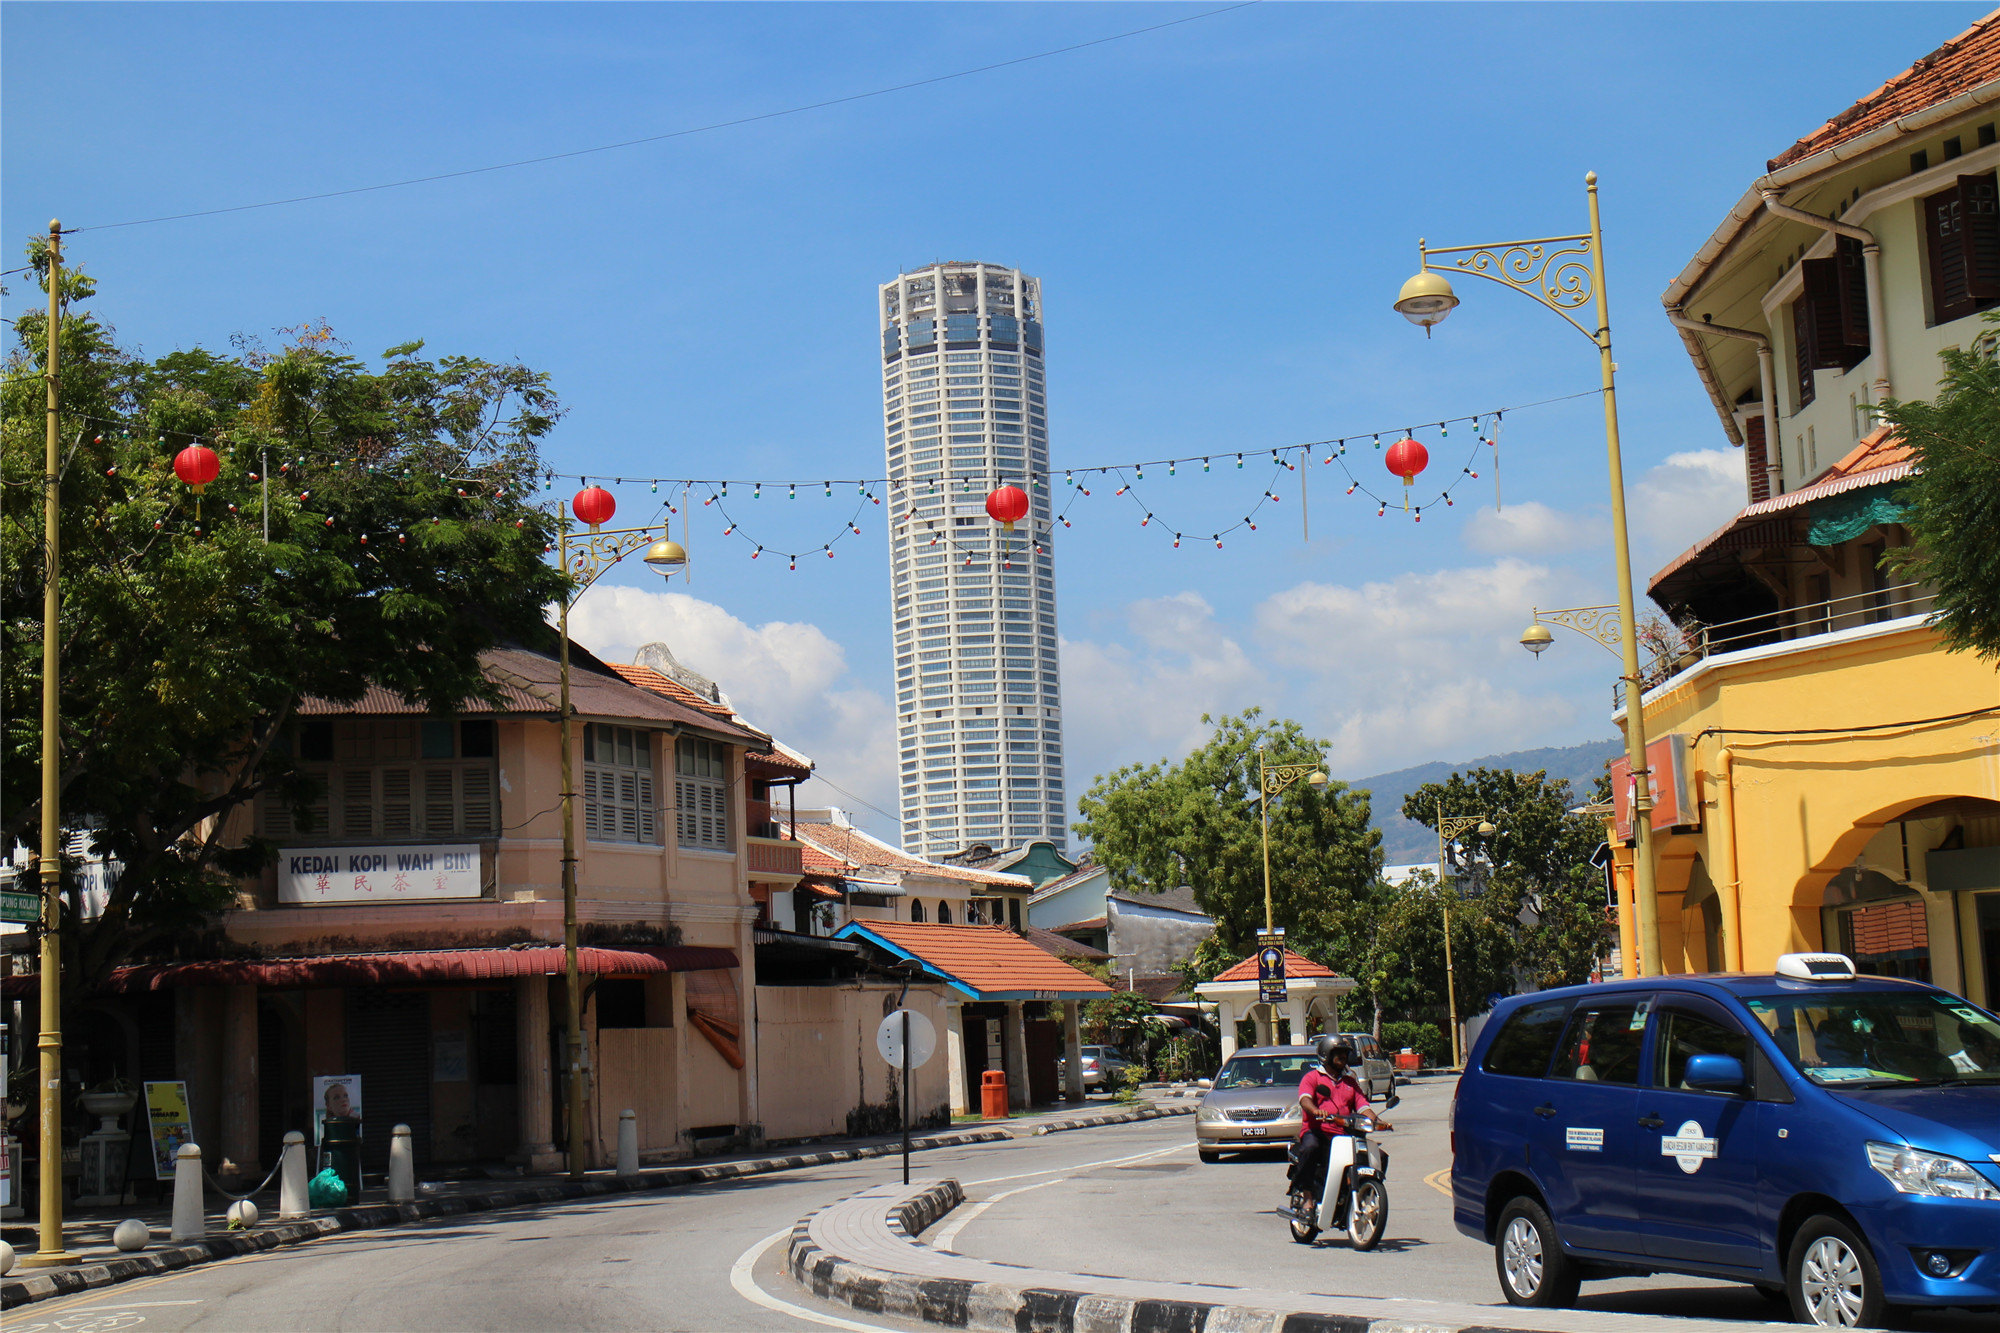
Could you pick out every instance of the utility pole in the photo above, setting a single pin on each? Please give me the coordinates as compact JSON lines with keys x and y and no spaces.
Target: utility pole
{"x":49,"y":1231}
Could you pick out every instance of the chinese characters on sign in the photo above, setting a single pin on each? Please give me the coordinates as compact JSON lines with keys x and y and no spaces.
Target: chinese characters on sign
{"x":309,"y":875}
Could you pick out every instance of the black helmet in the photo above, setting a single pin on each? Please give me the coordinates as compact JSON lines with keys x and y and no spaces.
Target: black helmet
{"x":1326,"y":1045}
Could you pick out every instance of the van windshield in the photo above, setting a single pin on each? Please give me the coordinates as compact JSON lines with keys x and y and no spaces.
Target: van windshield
{"x":1883,"y":1040}
{"x":1264,"y":1071}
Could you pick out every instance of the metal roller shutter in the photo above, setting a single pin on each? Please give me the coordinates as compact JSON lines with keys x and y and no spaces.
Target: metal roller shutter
{"x":389,"y":1046}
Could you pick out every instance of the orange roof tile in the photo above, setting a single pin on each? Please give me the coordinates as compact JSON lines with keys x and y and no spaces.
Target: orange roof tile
{"x":1961,"y":64}
{"x":1297,"y":967}
{"x":648,"y":679}
{"x":985,"y":960}
{"x":857,"y":850}
{"x":819,"y":863}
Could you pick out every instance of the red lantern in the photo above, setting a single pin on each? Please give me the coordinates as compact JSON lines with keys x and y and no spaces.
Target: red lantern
{"x":197,"y":465}
{"x":594,"y":505}
{"x":1007,"y":506}
{"x":1406,"y":458}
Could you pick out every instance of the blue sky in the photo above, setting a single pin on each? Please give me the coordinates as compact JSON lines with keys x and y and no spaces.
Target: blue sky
{"x":1220,"y":213}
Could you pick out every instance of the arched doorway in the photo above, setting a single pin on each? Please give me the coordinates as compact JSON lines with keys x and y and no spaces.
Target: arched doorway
{"x":1883,"y":925}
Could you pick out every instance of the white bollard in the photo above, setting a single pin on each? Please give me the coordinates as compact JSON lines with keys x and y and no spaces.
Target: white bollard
{"x":628,"y":1143}
{"x":242,"y":1215}
{"x":131,"y":1235}
{"x":188,"y":1223}
{"x":402,"y":1167}
{"x":292,"y":1198}
{"x":6,"y":1258}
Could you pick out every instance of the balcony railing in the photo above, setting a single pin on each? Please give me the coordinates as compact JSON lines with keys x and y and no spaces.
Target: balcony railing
{"x":1795,"y":624}
{"x":777,"y":856}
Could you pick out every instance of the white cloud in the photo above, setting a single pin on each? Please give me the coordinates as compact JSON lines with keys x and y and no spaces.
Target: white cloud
{"x":1531,"y":528}
{"x":786,"y":677}
{"x":1677,"y":503}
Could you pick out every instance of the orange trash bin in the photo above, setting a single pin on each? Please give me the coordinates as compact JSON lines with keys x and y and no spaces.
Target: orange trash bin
{"x":993,"y":1094}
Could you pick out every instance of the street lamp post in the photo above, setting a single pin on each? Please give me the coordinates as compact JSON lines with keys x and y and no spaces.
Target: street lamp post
{"x":1562,"y":273}
{"x":1271,"y":780}
{"x":600,"y":550}
{"x":1448,"y":829}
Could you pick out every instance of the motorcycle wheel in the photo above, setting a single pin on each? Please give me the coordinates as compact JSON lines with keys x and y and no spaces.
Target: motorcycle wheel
{"x":1367,"y":1215}
{"x":1304,"y":1206}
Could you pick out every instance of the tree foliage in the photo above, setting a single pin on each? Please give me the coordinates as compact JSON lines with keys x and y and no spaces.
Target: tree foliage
{"x":1196,"y":823}
{"x":1954,"y":498}
{"x":404,"y":540}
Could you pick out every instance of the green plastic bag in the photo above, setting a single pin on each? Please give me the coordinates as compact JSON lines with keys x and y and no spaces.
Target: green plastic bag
{"x":327,"y":1190}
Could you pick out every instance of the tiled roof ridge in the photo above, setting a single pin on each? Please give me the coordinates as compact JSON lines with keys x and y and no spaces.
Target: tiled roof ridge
{"x":1296,"y":965}
{"x":648,"y":679}
{"x":838,"y":841}
{"x":1966,"y":61}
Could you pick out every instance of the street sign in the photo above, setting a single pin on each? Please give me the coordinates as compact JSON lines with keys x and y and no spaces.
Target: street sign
{"x":889,"y":1039}
{"x":1271,"y":974}
{"x":25,"y":908}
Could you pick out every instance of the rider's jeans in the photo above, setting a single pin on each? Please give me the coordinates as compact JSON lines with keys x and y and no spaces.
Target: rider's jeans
{"x":1309,"y":1159}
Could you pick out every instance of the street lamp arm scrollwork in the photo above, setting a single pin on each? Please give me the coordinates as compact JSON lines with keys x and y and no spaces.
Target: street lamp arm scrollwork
{"x":1604,"y":624}
{"x":1554,"y":270}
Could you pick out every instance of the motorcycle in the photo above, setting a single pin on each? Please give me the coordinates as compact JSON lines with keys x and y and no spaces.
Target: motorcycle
{"x":1354,"y":1195}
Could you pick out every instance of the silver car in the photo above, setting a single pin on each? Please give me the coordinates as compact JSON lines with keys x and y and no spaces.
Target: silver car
{"x":1253,"y":1102}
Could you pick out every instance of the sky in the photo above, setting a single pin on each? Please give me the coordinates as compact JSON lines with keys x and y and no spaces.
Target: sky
{"x":1220,"y":211}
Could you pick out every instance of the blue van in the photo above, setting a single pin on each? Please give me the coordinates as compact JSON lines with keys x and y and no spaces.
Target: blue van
{"x":1832,"y":1139}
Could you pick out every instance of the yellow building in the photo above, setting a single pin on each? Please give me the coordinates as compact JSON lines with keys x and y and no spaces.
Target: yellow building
{"x":1831,"y":774}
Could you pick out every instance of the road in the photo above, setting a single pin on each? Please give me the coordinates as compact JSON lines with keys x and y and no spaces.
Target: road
{"x":1130,"y":1200}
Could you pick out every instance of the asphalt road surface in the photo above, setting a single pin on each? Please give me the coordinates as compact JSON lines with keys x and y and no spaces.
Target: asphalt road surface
{"x":1130,"y":1200}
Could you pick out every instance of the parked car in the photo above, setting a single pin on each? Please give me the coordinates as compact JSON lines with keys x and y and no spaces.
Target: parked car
{"x":1101,"y":1067}
{"x":1832,"y":1139}
{"x":1253,"y":1101}
{"x":1375,"y":1070}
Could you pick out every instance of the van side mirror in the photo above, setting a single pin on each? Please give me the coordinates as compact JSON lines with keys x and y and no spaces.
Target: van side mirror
{"x":1716,"y":1073}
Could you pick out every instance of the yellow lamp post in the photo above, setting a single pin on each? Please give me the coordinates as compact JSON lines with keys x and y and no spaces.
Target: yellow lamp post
{"x":1449,"y":828}
{"x":596,"y":552}
{"x":1562,"y":273}
{"x":1272,"y":779}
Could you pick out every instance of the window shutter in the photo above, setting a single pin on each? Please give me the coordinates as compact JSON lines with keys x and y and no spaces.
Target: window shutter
{"x":590,"y":803}
{"x":649,"y":826}
{"x":439,"y":804}
{"x":396,"y":807}
{"x":277,"y":816}
{"x":1803,"y":348}
{"x":1944,"y":230}
{"x":357,"y":801}
{"x":476,"y":788}
{"x":1979,"y":236}
{"x":628,"y":807}
{"x":1821,"y":306}
{"x":1852,"y":287}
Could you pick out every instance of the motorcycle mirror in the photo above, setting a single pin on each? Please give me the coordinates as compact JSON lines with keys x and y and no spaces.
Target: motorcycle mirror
{"x":1393,"y":1099}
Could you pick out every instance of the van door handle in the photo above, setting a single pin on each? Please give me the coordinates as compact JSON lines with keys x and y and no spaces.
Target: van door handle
{"x":1651,"y":1121}
{"x":1545,"y":1110}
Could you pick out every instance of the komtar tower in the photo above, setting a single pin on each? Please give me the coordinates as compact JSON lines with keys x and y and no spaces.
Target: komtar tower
{"x":978,"y":690}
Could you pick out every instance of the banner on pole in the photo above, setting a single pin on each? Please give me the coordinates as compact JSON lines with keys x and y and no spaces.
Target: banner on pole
{"x":169,"y":1124}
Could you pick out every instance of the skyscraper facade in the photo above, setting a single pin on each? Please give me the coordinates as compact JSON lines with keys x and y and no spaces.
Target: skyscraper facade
{"x":978,"y":690}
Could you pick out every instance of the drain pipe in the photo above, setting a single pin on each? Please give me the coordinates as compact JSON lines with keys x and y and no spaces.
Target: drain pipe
{"x":1766,"y":385}
{"x":1871,"y":261}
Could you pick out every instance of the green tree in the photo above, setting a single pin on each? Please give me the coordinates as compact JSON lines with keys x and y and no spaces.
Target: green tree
{"x":1196,"y":823}
{"x":1536,"y":885}
{"x":404,"y":541}
{"x":1954,"y":498}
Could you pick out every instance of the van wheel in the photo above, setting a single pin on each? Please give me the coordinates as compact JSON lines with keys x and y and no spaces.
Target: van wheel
{"x":1832,"y":1277}
{"x":1533,"y":1268}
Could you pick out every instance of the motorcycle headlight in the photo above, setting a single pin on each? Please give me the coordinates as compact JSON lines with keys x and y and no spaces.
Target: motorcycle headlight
{"x":1914,"y":1171}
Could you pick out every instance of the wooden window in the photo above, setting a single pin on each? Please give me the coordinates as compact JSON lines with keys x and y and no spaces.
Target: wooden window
{"x":701,"y":794}
{"x":620,"y":794}
{"x":1830,"y":318}
{"x":364,"y":798}
{"x":1962,"y":238}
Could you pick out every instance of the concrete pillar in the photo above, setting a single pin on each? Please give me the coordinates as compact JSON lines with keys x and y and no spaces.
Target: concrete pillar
{"x":1072,"y":1051}
{"x":188,"y":1222}
{"x":1260,"y":1020}
{"x":1014,"y":1031}
{"x":402,"y":1166}
{"x":239,"y":1082}
{"x":534,"y":1086}
{"x":954,"y":1049}
{"x":1225,"y":1020}
{"x":1295,"y":1020}
{"x":746,"y":974}
{"x":293,"y":1201}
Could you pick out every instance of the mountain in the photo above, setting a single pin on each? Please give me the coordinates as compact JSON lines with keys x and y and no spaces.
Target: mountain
{"x":1404,"y":842}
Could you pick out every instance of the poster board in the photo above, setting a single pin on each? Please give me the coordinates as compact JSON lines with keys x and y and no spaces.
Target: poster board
{"x":334,"y":1094}
{"x":169,"y":1124}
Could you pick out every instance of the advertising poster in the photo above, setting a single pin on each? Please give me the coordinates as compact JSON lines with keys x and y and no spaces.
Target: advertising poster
{"x":168,"y":1123}
{"x":335,"y":1095}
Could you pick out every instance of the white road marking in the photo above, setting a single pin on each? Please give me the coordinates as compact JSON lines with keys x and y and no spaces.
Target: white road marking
{"x":131,"y":1305}
{"x":741,"y":1277}
{"x":949,"y":1233}
{"x":1079,"y":1166}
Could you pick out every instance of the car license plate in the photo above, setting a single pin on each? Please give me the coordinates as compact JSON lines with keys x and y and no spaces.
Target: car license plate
{"x":1255,"y":1131}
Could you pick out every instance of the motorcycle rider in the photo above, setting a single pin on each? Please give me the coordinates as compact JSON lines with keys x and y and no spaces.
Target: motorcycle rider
{"x":1326,"y":1096}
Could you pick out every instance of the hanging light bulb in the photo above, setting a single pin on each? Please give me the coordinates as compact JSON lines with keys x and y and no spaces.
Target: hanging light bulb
{"x":1218,"y":541}
{"x":729,"y":531}
{"x":1253,"y":526}
{"x":757,"y":491}
{"x":1204,"y":465}
{"x":829,"y":489}
{"x":1138,"y":472}
{"x":1147,"y":519}
{"x":754,"y":554}
{"x":1170,"y":468}
{"x":1177,"y":541}
{"x":1239,"y":461}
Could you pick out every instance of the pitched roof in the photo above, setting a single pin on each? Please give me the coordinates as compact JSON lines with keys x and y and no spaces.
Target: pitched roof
{"x":1961,"y":64}
{"x":1094,"y":923}
{"x":981,"y":960}
{"x":1178,"y":899}
{"x":1158,"y":987}
{"x":648,"y":679}
{"x":1297,"y":966}
{"x":857,"y":851}
{"x":530,"y":682}
{"x":1879,"y":459}
{"x":1061,"y":945}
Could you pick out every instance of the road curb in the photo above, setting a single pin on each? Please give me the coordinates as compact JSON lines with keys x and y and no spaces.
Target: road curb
{"x":999,"y":1306}
{"x":1124,"y":1118}
{"x":50,"y":1283}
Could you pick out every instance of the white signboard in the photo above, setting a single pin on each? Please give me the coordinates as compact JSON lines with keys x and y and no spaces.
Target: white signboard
{"x":378,"y":874}
{"x":889,"y":1038}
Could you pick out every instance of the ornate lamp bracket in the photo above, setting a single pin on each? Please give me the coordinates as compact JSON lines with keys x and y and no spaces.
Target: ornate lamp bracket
{"x":1277,"y":777}
{"x":1554,"y":270}
{"x":589,"y":554}
{"x":1593,"y":622}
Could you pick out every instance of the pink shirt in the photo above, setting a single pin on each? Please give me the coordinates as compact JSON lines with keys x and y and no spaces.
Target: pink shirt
{"x":1344,"y":1097}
